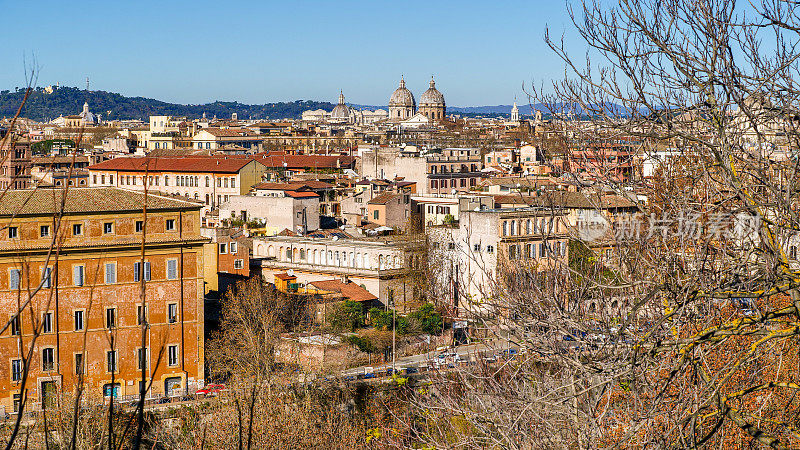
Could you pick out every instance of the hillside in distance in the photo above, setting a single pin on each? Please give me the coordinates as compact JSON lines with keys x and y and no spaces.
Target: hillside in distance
{"x":112,"y":106}
{"x":43,"y":106}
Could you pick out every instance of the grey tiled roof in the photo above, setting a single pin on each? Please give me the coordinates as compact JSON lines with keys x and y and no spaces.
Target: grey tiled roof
{"x":33,"y":202}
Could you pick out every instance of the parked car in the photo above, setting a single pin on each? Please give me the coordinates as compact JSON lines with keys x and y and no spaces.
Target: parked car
{"x":410,"y":370}
{"x":211,"y":389}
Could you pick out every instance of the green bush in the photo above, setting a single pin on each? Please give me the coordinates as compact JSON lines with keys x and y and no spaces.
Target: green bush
{"x":423,"y":320}
{"x":347,"y":316}
{"x":429,"y":320}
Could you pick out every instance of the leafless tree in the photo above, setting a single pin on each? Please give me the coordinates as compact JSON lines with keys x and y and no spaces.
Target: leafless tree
{"x":689,"y":337}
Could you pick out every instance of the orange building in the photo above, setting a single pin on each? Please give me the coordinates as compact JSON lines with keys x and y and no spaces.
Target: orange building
{"x":85,"y":322}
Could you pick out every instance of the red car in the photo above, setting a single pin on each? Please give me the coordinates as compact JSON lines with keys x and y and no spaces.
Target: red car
{"x":211,"y":389}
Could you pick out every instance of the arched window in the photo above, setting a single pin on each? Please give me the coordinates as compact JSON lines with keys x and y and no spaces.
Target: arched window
{"x":528,"y":226}
{"x":208,"y":181}
{"x":505,"y":228}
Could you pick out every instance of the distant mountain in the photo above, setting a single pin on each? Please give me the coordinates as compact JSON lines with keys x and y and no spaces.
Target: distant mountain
{"x":69,"y":100}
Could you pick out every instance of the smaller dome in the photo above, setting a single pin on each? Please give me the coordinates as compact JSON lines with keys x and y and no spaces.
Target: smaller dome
{"x":402,"y":97}
{"x":340,"y":111}
{"x":432,"y":97}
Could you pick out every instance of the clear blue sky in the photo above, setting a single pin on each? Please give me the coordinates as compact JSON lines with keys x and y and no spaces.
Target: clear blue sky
{"x":262,"y":51}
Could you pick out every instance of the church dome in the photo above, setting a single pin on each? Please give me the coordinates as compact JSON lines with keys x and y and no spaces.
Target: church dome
{"x":340,"y":111}
{"x":402,"y":97}
{"x":432,"y":97}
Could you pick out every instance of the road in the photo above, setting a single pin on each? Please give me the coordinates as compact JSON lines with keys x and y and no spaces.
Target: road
{"x":463,"y":352}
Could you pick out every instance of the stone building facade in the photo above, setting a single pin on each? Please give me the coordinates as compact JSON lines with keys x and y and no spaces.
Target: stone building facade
{"x":86,"y":320}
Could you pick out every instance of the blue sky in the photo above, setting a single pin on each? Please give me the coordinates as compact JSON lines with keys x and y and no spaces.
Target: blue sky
{"x":262,"y":51}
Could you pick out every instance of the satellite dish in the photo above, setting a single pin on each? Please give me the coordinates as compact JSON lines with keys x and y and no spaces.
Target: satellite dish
{"x":290,"y":272}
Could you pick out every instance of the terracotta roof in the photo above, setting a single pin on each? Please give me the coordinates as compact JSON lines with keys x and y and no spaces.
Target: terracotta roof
{"x":350,"y":290}
{"x":301,"y":194}
{"x":195,"y":164}
{"x":35,"y":202}
{"x":293,"y":186}
{"x":230,"y":132}
{"x":383,"y":198}
{"x":306,"y":161}
{"x":565,"y":199}
{"x":285,"y":277}
{"x":47,"y":160}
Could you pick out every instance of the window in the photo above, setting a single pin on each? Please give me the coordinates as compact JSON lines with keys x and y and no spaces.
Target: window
{"x":139,"y":226}
{"x":166,"y":180}
{"x":234,"y":246}
{"x":46,"y":277}
{"x":78,"y":363}
{"x":238,"y":264}
{"x":505,"y":228}
{"x":233,"y":182}
{"x":48,"y":359}
{"x":111,"y":390}
{"x":141,"y":358}
{"x":14,"y":277}
{"x":542,"y":250}
{"x":111,"y":362}
{"x":793,"y":252}
{"x":15,"y":326}
{"x":141,"y":315}
{"x":172,"y":269}
{"x":170,"y":224}
{"x":208,"y":181}
{"x":172,"y":355}
{"x":137,"y":271}
{"x":375,"y":214}
{"x":476,"y":247}
{"x":47,"y":322}
{"x":172,"y":312}
{"x":111,"y":273}
{"x":16,"y":370}
{"x":108,"y":227}
{"x":489,"y":249}
{"x":111,"y":317}
{"x":223,"y":249}
{"x":17,"y":402}
{"x":44,"y":230}
{"x":13,"y":232}
{"x":78,"y":319}
{"x":77,"y":229}
{"x":226,"y":182}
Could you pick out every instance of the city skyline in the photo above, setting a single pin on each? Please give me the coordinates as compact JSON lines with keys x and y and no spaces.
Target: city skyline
{"x":174,"y":53}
